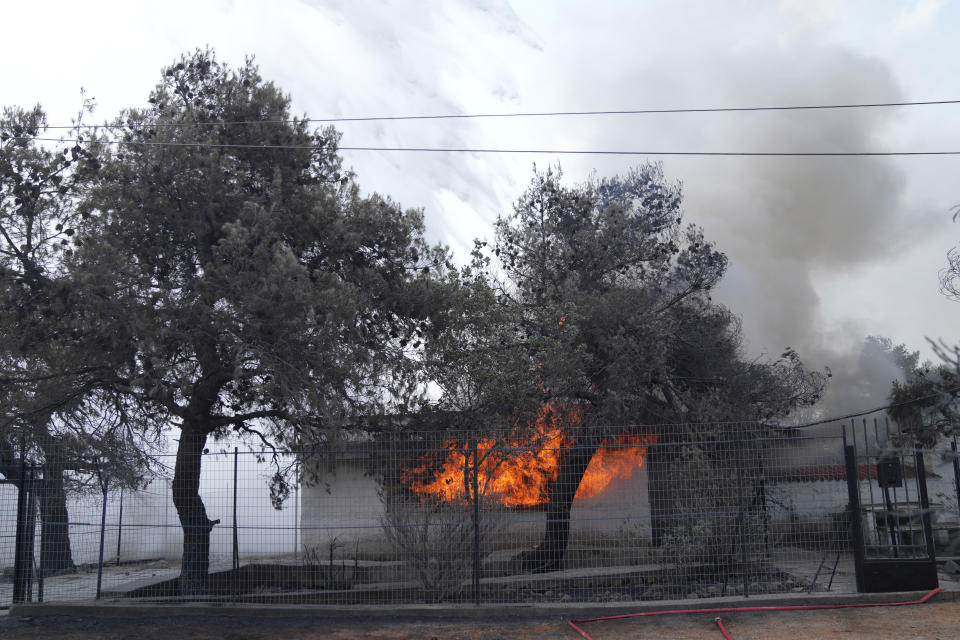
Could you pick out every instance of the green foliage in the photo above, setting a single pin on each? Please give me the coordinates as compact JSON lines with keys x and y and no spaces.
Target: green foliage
{"x":612,"y":299}
{"x":56,"y":404}
{"x":689,"y":545}
{"x":905,"y":360}
{"x":260,"y":290}
{"x":593,"y":270}
{"x":612,"y":294}
{"x":925,"y":405}
{"x":475,"y":357}
{"x":37,"y":189}
{"x":718,"y":522}
{"x":253,"y":286}
{"x":432,"y":538}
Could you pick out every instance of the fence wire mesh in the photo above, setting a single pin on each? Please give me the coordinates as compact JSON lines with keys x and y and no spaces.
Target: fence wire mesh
{"x":669,"y":511}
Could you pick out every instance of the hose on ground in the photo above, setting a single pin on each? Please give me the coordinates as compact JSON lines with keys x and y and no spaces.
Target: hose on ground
{"x":802,"y":607}
{"x":719,"y":622}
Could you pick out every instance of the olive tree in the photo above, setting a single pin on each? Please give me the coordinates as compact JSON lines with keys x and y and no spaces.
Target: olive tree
{"x":611,"y":285}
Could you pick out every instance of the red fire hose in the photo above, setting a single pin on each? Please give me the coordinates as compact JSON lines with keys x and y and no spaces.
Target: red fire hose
{"x":722,"y":629}
{"x":803,"y":607}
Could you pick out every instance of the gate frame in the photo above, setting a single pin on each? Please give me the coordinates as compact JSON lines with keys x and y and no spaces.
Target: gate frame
{"x":876,"y":575}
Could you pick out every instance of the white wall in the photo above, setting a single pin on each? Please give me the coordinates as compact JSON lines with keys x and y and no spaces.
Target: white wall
{"x":814,"y":500}
{"x":347,"y":505}
{"x":150,"y":527}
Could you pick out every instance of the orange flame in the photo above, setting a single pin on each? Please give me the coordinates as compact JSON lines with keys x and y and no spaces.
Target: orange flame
{"x":521,"y":474}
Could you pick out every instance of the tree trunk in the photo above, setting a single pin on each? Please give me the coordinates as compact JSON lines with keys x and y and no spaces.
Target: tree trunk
{"x":548,"y":555}
{"x":192,"y":513}
{"x":661,"y":461}
{"x":25,"y":536}
{"x":55,"y":553}
{"x":659,"y":491}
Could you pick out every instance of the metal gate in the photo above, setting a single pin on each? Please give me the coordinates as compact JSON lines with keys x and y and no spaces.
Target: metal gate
{"x":890,"y":519}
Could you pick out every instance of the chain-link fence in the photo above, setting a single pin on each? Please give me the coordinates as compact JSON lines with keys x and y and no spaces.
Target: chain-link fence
{"x":547,"y":514}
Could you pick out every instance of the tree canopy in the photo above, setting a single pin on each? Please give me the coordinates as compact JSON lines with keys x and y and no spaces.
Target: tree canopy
{"x":258,"y":290}
{"x":613,"y":299}
{"x":56,"y":406}
{"x":207,"y":263}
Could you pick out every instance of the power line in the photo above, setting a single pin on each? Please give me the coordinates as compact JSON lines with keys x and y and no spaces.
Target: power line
{"x":552,"y":114}
{"x":623,"y":112}
{"x":660,"y":153}
{"x":859,"y":414}
{"x":601,"y":152}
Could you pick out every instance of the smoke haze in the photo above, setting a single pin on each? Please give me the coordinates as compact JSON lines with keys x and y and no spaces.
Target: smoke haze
{"x":823,"y":251}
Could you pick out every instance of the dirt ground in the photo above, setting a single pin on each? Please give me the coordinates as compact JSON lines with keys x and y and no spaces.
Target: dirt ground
{"x":934,"y":620}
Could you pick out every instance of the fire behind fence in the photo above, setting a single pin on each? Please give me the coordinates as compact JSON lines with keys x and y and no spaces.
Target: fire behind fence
{"x":663,"y":512}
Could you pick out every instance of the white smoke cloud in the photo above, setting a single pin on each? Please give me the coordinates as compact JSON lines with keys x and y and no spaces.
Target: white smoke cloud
{"x":792,"y":225}
{"x":812,"y":242}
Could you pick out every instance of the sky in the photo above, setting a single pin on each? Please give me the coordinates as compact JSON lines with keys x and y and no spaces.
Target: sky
{"x":823,"y":251}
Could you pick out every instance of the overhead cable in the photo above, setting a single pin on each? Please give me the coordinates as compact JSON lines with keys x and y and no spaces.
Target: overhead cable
{"x":553,"y":114}
{"x":858,"y":414}
{"x":595,"y":152}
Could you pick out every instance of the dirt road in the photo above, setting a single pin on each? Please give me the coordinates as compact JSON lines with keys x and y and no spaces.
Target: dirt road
{"x":934,"y":620}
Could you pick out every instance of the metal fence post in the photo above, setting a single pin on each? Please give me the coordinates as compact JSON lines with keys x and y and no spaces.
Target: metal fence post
{"x":956,"y":469}
{"x":24,"y":539}
{"x":235,"y":578}
{"x":103,"y":528}
{"x":31,"y":529}
{"x":742,"y":530}
{"x":236,"y":540}
{"x":119,"y":526}
{"x":476,"y":521}
{"x":763,"y":504}
{"x":854,"y":509}
{"x":924,"y":500}
{"x":20,"y":564}
{"x":43,"y":532}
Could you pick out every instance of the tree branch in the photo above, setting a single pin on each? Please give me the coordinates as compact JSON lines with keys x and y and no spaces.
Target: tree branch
{"x":240,"y":419}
